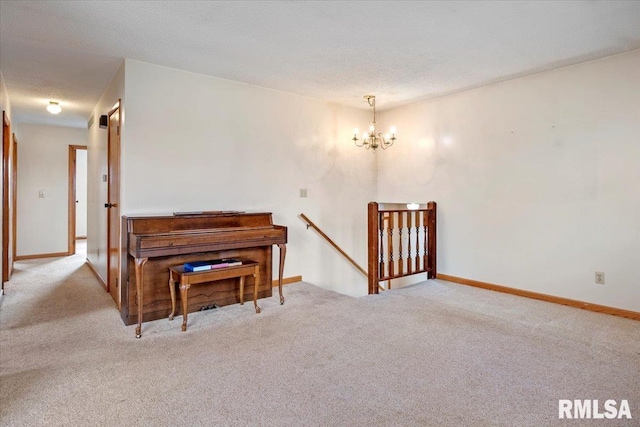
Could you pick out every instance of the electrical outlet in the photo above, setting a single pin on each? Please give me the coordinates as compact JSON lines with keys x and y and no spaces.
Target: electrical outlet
{"x":599,"y":277}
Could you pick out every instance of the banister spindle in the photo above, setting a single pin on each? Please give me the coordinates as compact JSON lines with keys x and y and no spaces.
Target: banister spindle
{"x":425,"y":227}
{"x":409,"y":256}
{"x":391,"y":261}
{"x":381,"y":243}
{"x":400,"y":258}
{"x":416,"y":224}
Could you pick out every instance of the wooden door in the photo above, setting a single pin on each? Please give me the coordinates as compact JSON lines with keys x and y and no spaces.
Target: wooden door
{"x":113,"y":203}
{"x":6,"y":197}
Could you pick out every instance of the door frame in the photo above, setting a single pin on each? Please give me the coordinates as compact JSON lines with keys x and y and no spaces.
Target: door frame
{"x":6,"y":147}
{"x":113,"y":175}
{"x":14,"y":199}
{"x":72,"y":197}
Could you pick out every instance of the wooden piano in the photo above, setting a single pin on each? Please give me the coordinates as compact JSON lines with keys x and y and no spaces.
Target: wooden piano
{"x":155,"y":243}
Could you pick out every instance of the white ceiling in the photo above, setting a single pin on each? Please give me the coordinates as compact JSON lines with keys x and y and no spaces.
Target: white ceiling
{"x":336,"y":51}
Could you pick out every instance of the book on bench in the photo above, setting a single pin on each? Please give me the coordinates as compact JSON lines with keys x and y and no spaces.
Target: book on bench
{"x":211,"y":264}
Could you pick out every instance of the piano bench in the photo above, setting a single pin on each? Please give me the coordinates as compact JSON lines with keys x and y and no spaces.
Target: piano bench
{"x":186,"y":279}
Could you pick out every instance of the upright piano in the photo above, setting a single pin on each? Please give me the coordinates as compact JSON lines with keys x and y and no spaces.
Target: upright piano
{"x":155,"y":243}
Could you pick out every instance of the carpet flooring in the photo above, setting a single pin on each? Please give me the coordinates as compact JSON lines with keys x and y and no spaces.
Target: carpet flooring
{"x":431,"y":354}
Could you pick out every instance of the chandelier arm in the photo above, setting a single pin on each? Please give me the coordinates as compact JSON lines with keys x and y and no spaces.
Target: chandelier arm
{"x":385,"y":144}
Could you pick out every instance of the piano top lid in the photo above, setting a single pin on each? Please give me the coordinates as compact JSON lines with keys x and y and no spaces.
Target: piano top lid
{"x":177,"y":223}
{"x":195,"y":214}
{"x":207,"y":213}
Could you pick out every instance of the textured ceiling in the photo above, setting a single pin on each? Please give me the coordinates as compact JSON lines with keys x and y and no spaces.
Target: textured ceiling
{"x":336,"y":51}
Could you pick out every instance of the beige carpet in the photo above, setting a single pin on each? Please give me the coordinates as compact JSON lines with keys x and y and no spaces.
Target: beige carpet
{"x":433,"y":354}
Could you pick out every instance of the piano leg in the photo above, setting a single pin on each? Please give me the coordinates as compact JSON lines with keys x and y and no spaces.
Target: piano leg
{"x":283,"y":254}
{"x":140,"y":262}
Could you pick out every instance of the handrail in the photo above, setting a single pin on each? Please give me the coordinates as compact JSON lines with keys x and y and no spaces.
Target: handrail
{"x":344,"y":254}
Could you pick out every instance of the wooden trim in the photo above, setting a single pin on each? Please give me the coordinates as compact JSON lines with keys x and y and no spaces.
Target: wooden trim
{"x":36,"y":256}
{"x":95,"y":272}
{"x":71,"y":215}
{"x":71,"y":226}
{"x":544,"y":297}
{"x":14,"y":198}
{"x":286,"y":281}
{"x":81,"y":238}
{"x":397,"y":276}
{"x":114,"y":108}
{"x":6,"y":134}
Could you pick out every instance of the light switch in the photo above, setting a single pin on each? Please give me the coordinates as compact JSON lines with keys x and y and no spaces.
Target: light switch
{"x":41,"y":194}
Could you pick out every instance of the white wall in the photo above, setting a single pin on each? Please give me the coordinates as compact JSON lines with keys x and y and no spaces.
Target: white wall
{"x":81,"y":193}
{"x":5,"y":103}
{"x":537,"y":179}
{"x":43,"y":166}
{"x":96,"y":168}
{"x":192,"y":142}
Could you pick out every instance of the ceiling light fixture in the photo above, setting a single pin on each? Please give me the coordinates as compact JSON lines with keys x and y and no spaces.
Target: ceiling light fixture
{"x":372,"y":139}
{"x":53,"y":107}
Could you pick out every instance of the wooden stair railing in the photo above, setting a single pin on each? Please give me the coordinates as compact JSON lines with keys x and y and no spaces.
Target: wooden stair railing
{"x":401,"y":242}
{"x":332,"y":243}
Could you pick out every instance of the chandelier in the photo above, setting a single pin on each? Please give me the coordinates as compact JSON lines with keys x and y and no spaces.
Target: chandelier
{"x":372,"y":139}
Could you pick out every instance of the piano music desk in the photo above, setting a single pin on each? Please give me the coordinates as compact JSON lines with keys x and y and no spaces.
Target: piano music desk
{"x":186,"y":279}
